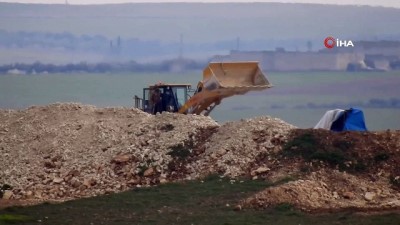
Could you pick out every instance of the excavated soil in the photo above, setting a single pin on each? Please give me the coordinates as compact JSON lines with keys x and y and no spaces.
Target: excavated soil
{"x":335,"y":171}
{"x":66,"y":151}
{"x":327,"y":190}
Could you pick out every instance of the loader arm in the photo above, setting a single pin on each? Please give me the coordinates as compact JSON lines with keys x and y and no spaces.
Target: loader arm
{"x":223,"y":80}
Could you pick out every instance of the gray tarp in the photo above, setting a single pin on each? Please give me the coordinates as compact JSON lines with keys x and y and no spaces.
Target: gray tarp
{"x":328,"y":118}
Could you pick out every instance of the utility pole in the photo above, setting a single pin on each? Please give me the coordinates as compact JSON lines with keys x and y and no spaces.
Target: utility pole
{"x":309,"y":46}
{"x":181,"y":47}
{"x":119,"y":42}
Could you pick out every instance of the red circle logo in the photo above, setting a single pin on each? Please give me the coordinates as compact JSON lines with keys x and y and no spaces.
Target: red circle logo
{"x":329,"y":42}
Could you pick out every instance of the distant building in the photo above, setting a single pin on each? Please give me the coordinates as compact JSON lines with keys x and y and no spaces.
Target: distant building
{"x":385,"y":48}
{"x":380,"y":62}
{"x":296,"y":61}
{"x":365,"y":55}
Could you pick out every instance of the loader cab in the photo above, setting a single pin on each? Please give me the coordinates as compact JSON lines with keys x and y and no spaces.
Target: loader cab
{"x":164,"y":97}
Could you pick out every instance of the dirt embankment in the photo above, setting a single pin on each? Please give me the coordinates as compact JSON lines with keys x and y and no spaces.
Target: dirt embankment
{"x":70,"y":150}
{"x":67,"y":151}
{"x":335,"y":171}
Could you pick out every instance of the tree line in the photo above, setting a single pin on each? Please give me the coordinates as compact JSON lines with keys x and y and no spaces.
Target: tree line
{"x":173,"y":65}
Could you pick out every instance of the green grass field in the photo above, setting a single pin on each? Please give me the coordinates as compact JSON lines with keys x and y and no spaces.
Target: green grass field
{"x":211,"y":201}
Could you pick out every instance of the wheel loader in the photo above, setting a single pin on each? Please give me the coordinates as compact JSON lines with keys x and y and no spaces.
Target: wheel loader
{"x":220,"y":80}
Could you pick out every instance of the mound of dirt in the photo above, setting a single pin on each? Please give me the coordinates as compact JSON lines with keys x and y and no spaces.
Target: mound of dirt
{"x":328,"y":191}
{"x":358,"y":152}
{"x":335,"y":171}
{"x":232,"y":150}
{"x":66,"y":151}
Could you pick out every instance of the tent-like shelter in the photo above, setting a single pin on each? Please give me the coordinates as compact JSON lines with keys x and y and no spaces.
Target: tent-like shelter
{"x":343,"y":120}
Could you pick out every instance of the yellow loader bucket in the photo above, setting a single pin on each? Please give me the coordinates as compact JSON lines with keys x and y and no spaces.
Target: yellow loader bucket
{"x":234,"y":76}
{"x":222,"y":80}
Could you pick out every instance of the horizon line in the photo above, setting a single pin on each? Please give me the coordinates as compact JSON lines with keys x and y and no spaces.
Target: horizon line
{"x":195,"y":1}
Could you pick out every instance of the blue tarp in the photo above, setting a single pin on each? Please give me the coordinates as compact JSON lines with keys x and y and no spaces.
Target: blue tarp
{"x":351,"y":119}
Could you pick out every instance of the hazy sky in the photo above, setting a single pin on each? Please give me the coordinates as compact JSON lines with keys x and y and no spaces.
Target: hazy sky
{"x":387,"y":3}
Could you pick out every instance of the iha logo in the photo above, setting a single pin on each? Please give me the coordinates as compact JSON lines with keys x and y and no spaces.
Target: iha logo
{"x":331,"y":42}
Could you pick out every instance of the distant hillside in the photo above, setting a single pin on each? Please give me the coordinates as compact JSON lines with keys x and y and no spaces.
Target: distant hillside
{"x":152,"y":31}
{"x":201,"y":22}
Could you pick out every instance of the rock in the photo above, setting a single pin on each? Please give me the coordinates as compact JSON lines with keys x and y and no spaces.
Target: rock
{"x":369,"y":196}
{"x":58,"y":164}
{"x":325,"y":185}
{"x":89,"y":182}
{"x":148,"y":172}
{"x":82,"y":187}
{"x":56,"y":158}
{"x":29,"y":194}
{"x":49,"y":164}
{"x":335,"y":195}
{"x":221,"y":152}
{"x":58,"y":180}
{"x":260,"y":170}
{"x":109,"y":191}
{"x":237,"y":208}
{"x":348,"y":195}
{"x":364,"y":188}
{"x":395,"y":203}
{"x":38,"y":194}
{"x":46,"y":181}
{"x":75,"y":182}
{"x":7,"y":194}
{"x":121,"y":158}
{"x":133,"y":182}
{"x":314,"y":196}
{"x":163,"y":181}
{"x":53,"y":191}
{"x":67,"y":178}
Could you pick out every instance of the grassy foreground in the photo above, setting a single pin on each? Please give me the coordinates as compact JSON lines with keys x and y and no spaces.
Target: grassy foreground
{"x":209,"y":202}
